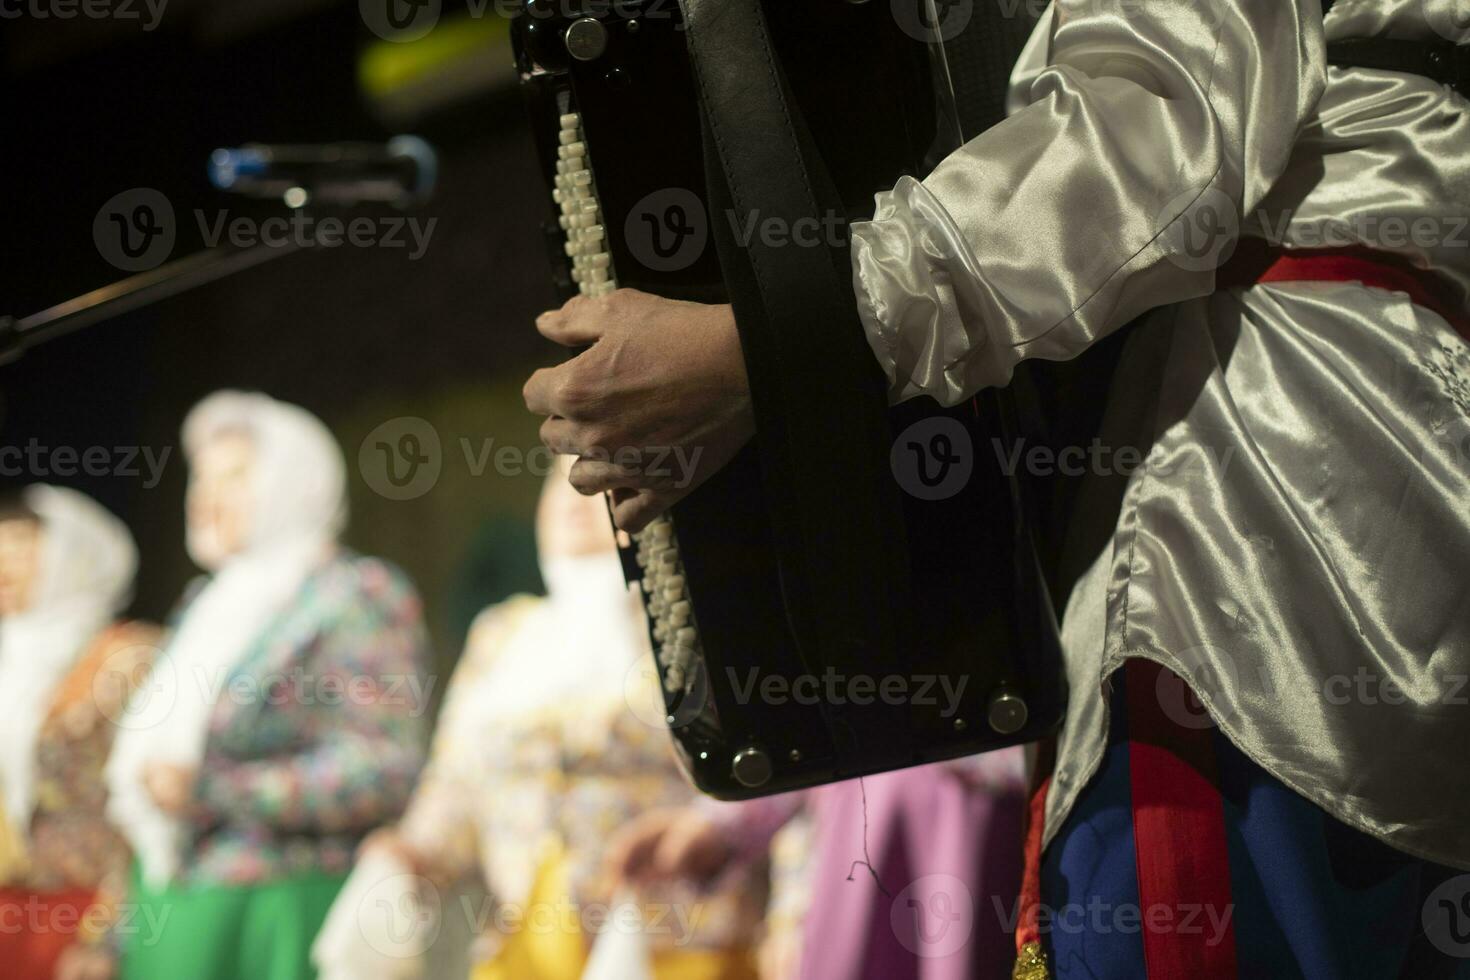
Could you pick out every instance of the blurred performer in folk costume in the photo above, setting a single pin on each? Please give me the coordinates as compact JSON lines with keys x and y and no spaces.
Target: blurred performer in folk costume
{"x":1300,"y":519}
{"x":543,"y":750}
{"x":67,"y":666}
{"x":940,"y":838}
{"x":282,"y":721}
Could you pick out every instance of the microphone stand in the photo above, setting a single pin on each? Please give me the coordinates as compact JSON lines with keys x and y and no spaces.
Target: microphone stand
{"x":236,"y":171}
{"x":135,"y":292}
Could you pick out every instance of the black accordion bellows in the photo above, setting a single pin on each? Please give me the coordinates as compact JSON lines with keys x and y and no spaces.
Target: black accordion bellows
{"x":858,"y":590}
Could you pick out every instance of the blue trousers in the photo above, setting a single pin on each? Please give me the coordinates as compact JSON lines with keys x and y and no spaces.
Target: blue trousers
{"x":1311,"y":897}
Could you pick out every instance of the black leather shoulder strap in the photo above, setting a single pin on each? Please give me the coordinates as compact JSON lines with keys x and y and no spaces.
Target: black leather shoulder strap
{"x":1443,"y":61}
{"x":833,"y":502}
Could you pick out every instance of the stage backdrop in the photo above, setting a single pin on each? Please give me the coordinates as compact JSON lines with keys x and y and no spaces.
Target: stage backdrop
{"x":417,"y":357}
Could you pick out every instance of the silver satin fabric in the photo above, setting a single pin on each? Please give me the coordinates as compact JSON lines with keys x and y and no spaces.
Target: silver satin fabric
{"x":1296,"y":542}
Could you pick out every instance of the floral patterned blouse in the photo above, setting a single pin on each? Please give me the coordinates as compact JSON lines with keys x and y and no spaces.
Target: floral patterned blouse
{"x":319,"y":732}
{"x":69,"y":843}
{"x":559,"y":779}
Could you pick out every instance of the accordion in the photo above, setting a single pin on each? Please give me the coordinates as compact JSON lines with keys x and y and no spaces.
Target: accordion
{"x":859,"y":589}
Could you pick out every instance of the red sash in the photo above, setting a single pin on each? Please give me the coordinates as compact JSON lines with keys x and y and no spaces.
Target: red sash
{"x":1183,"y":861}
{"x":1178,"y":833}
{"x":1031,"y":962}
{"x":1255,"y":261}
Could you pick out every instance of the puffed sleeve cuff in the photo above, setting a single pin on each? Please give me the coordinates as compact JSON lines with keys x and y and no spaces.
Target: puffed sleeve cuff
{"x":913,"y":273}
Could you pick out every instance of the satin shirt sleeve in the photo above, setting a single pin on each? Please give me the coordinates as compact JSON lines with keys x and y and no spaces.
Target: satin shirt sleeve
{"x":1136,"y":127}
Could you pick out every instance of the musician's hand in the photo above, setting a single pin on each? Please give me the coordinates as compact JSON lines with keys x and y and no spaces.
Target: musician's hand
{"x":656,"y":405}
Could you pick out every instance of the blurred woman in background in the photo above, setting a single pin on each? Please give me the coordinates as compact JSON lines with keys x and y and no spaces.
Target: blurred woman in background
{"x":66,"y":667}
{"x":548,"y":743}
{"x":283,"y":720}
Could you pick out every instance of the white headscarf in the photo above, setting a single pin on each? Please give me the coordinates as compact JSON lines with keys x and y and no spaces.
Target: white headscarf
{"x":84,"y":577}
{"x":579,"y":643}
{"x":298,"y":480}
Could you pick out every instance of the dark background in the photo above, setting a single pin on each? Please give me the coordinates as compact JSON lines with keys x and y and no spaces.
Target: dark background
{"x":359,"y":336}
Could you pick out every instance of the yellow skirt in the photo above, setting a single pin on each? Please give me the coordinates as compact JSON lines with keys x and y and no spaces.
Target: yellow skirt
{"x":12,"y":850}
{"x":531,"y":954}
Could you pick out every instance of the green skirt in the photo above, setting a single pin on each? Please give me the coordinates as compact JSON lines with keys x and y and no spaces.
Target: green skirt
{"x":225,"y":932}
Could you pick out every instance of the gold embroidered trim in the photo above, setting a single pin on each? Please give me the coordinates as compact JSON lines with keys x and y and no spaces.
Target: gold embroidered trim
{"x":1031,"y":963}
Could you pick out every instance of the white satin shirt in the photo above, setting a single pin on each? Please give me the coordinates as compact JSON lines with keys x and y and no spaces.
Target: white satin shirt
{"x":1296,"y":542}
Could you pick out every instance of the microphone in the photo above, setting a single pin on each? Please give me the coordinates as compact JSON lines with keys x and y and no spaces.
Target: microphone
{"x":400,"y":172}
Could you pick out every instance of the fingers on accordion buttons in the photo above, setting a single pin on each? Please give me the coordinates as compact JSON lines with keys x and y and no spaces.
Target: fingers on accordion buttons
{"x":675,"y":633}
